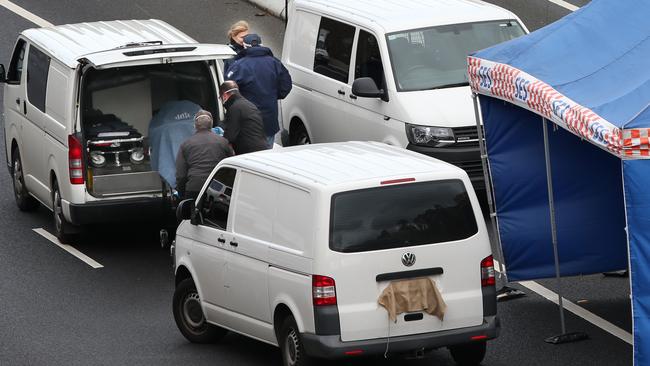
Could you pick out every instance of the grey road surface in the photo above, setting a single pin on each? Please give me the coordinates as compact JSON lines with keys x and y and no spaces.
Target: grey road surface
{"x":56,"y":310}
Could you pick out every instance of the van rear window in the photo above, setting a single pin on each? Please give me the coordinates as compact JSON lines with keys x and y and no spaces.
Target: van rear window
{"x":401,"y":216}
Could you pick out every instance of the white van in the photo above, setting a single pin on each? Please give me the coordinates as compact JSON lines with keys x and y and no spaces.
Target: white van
{"x":294,"y":246}
{"x":392,"y":71}
{"x":78,"y":100}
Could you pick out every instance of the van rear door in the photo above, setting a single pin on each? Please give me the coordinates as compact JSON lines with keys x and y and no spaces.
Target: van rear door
{"x":165,"y":53}
{"x":371,"y":230}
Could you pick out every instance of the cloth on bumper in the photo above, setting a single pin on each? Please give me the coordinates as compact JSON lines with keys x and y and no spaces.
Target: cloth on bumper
{"x":412,"y":295}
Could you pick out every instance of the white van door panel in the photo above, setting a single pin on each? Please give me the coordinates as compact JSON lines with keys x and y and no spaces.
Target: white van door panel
{"x":371,"y":229}
{"x":14,"y":95}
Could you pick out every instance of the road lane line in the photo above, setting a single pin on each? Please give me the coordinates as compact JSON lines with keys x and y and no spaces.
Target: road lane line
{"x":565,"y":5}
{"x":86,"y":259}
{"x":25,"y":14}
{"x":575,"y":309}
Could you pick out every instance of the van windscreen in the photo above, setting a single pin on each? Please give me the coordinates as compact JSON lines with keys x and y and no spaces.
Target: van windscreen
{"x":436,"y":57}
{"x":401,"y":216}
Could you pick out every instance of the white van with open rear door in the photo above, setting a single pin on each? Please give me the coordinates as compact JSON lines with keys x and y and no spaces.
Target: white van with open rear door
{"x":78,"y":102}
{"x":297,"y":247}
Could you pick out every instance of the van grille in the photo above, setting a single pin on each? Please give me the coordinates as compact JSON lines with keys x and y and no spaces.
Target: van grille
{"x":473,"y":168}
{"x":466,"y":134}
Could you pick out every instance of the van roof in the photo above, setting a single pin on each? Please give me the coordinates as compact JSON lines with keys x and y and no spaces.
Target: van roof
{"x":331,"y":164}
{"x":400,"y":15}
{"x":68,"y":43}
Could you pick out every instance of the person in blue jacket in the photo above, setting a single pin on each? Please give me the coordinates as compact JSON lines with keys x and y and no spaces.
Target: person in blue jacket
{"x":262,"y":79}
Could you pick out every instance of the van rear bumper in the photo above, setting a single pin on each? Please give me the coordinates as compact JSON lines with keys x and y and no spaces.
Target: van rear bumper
{"x":331,"y":346}
{"x":139,"y":209}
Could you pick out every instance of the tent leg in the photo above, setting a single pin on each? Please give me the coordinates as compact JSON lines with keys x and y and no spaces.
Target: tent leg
{"x":564,"y":337}
{"x":488,"y":187}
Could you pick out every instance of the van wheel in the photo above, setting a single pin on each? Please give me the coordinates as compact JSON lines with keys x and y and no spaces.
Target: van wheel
{"x":293,"y":351}
{"x":189,"y":317}
{"x":470,"y":354}
{"x":62,"y":228}
{"x":299,"y":135}
{"x":24,"y":200}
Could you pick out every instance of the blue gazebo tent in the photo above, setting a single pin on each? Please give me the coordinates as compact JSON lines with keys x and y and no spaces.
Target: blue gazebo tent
{"x":588,"y":77}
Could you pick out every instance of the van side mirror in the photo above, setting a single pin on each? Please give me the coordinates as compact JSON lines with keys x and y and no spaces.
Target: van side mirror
{"x":185,"y":210}
{"x":367,"y":88}
{"x":3,"y":74}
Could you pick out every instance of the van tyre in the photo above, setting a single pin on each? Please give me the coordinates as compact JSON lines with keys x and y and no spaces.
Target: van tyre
{"x":24,"y":200}
{"x":299,"y":135}
{"x":63,"y":230}
{"x":293,"y":351}
{"x":189,"y":316}
{"x":470,"y":354}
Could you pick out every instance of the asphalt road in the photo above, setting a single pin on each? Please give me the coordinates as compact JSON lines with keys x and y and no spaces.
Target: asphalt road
{"x":56,"y":310}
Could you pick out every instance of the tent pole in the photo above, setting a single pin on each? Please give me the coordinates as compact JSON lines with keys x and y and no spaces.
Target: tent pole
{"x":488,"y":186}
{"x":505,"y":292}
{"x":564,"y":337}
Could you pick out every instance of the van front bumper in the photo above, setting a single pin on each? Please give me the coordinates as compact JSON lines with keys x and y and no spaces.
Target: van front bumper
{"x":331,"y":346}
{"x":136,"y":209}
{"x":467,"y":158}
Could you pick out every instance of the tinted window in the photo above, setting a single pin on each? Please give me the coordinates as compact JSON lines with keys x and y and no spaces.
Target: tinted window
{"x":401,"y":216}
{"x":333,"y":49}
{"x":16,"y":66}
{"x":215,"y":202}
{"x":436,"y":57}
{"x":38,"y":65}
{"x":368,"y":62}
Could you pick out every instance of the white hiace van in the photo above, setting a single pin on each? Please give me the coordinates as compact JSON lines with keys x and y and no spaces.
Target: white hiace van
{"x":392,"y":71}
{"x":78,"y":103}
{"x":294,"y":247}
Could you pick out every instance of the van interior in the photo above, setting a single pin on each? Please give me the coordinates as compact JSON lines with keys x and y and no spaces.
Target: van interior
{"x":118,"y":105}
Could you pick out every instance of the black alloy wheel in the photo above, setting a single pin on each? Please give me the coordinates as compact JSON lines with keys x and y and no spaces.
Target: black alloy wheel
{"x":299,"y":136}
{"x":293,"y":351}
{"x":62,"y":228}
{"x":189,"y":316}
{"x":24,"y":200}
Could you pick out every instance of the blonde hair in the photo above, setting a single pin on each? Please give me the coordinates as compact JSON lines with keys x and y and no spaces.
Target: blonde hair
{"x":235,"y":29}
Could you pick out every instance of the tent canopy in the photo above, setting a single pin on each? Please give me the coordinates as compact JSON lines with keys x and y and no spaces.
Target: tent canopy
{"x":587,"y":76}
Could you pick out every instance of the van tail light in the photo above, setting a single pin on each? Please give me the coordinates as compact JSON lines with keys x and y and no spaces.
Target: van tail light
{"x":75,"y":160}
{"x":323,"y":290}
{"x":487,"y":272}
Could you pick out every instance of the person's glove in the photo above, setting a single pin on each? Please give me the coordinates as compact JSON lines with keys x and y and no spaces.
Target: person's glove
{"x":218,"y":130}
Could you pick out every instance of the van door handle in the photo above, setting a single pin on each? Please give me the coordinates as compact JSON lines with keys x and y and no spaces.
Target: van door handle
{"x":341,"y":92}
{"x":24,"y":108}
{"x":234,"y":244}
{"x":221,"y":240}
{"x":352,"y":96}
{"x":18,"y":101}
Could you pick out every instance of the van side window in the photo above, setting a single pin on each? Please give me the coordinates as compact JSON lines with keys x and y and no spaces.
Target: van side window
{"x":368,"y":62}
{"x":215,"y":202}
{"x":38,"y":66}
{"x":333,"y":49}
{"x":16,"y":66}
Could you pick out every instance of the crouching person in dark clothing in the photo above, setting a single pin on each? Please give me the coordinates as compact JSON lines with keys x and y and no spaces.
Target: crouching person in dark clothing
{"x":198,"y":155}
{"x":243,"y":125}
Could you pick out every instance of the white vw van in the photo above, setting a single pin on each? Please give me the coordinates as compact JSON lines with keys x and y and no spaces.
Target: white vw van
{"x":293,"y":247}
{"x":78,"y":101}
{"x":392,"y":71}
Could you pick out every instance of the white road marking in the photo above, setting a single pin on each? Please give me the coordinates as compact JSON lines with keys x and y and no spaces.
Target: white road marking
{"x":575,"y":309}
{"x":25,"y":14}
{"x":86,"y":259}
{"x":565,"y":5}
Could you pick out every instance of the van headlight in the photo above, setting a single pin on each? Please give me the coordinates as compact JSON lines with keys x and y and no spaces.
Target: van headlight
{"x":430,"y":135}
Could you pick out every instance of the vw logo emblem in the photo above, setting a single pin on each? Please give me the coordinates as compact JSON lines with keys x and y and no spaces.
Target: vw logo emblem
{"x":408,"y":259}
